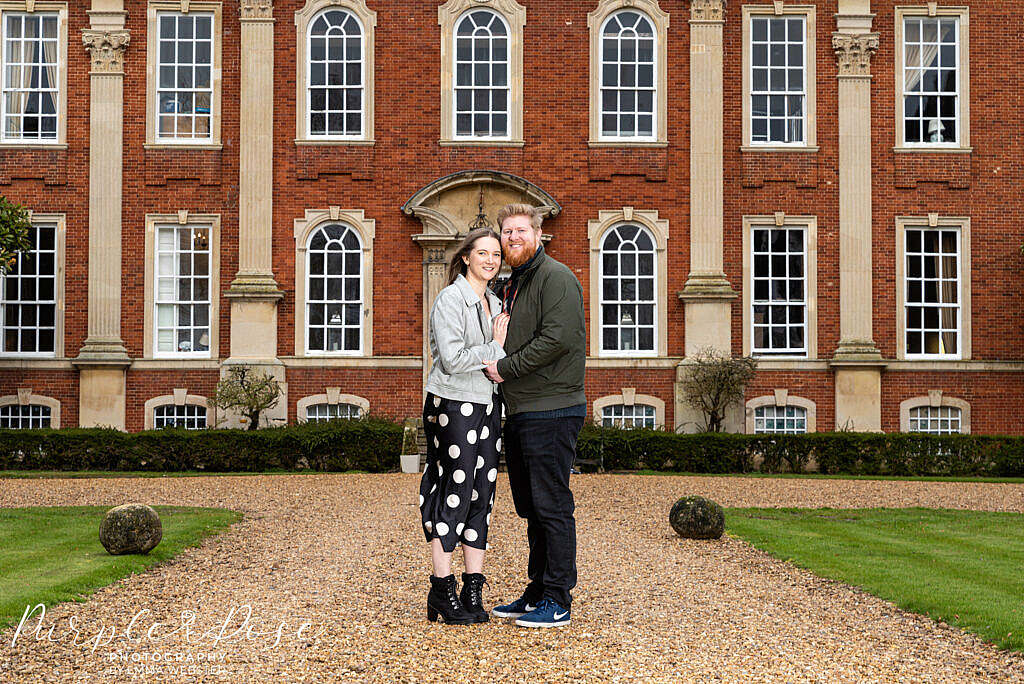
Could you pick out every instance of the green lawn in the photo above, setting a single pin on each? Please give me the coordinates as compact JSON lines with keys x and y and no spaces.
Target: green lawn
{"x":961,"y":567}
{"x":53,"y":554}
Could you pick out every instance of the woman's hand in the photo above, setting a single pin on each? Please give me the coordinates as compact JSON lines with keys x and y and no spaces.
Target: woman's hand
{"x":501,"y":328}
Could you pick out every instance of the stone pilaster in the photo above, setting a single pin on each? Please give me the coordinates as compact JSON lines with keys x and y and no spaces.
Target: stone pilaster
{"x":707,"y":294}
{"x":254,"y":293}
{"x":103,"y":359}
{"x":858,"y":364}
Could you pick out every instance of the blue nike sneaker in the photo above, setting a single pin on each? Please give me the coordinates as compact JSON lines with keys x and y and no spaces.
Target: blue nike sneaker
{"x":518,"y":608}
{"x":546,"y":614}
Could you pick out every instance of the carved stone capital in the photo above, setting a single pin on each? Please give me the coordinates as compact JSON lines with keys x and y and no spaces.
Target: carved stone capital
{"x":854,"y":52}
{"x":256,"y":9}
{"x":106,"y":50}
{"x":707,"y":10}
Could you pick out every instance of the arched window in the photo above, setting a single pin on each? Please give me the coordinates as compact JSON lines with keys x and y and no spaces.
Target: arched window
{"x":334,"y":295}
{"x":316,"y":413}
{"x":935,"y":420}
{"x":628,"y":288}
{"x":188,"y":416}
{"x":335,"y":91}
{"x":18,"y":416}
{"x":781,"y":413}
{"x":482,"y":90}
{"x":628,"y":98}
{"x":623,"y":416}
{"x":783,"y":420}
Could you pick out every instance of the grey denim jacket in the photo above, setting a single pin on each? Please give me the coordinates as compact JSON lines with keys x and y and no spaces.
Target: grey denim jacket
{"x":460,"y":340}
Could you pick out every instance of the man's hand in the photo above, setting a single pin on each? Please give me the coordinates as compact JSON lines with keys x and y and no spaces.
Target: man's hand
{"x":491,"y":371}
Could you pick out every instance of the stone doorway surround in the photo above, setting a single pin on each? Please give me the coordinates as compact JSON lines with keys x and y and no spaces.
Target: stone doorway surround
{"x":448,"y":206}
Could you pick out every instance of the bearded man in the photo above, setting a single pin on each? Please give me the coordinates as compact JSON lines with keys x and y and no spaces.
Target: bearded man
{"x":542,"y":383}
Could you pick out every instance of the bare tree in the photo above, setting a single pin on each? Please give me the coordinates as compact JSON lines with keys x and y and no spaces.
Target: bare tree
{"x":714,"y":382}
{"x":248,"y":391}
{"x":14,"y":237}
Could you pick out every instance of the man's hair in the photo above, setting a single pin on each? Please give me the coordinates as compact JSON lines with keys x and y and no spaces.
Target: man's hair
{"x":527,"y":210}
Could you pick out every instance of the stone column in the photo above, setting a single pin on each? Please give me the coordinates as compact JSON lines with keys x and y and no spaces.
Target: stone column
{"x":857,"y":363}
{"x":707,"y":294}
{"x":254,"y":293}
{"x":103,"y":359}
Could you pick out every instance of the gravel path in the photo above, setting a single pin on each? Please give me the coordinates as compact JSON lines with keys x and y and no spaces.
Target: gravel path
{"x":344,"y":553}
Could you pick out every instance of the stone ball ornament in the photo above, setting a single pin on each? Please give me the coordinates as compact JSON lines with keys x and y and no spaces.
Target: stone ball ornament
{"x":131,"y":528}
{"x":694,"y":517}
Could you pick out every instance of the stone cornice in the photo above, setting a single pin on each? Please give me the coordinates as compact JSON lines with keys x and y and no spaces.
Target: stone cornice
{"x":854,"y":52}
{"x":707,"y":10}
{"x":106,"y":50}
{"x":256,"y":9}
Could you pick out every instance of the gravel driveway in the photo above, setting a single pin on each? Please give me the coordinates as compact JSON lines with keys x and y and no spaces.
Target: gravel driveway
{"x":344,"y":553}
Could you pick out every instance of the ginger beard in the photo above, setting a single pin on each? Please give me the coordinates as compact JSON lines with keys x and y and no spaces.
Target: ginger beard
{"x":519,"y":246}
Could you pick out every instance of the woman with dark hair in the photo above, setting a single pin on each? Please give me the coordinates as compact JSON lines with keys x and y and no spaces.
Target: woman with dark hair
{"x":462,"y":421}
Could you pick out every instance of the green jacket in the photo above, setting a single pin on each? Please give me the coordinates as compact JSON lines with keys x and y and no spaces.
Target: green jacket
{"x":546,"y":341}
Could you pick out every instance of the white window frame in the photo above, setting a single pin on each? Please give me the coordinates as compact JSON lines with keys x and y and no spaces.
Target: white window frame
{"x":304,"y":18}
{"x":628,"y":397}
{"x":365,"y":229}
{"x":358,"y":351}
{"x":935,"y":399}
{"x":179,"y":397}
{"x":963,"y":117}
{"x":59,"y":222}
{"x":449,"y":15}
{"x":23,"y":7}
{"x":507,"y":87}
{"x":808,"y":12}
{"x":155,"y":9}
{"x":934,"y":222}
{"x":25,"y":397}
{"x":331,"y":397}
{"x":658,"y":230}
{"x":186,"y":417}
{"x":780,"y":398}
{"x":636,"y":88}
{"x":596,"y":21}
{"x":182,"y":218}
{"x":782,"y":221}
{"x":653,"y":351}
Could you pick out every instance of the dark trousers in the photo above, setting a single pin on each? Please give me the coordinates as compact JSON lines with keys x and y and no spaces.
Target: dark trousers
{"x":539,"y":454}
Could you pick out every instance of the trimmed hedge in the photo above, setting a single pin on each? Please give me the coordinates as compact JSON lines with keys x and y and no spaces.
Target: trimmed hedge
{"x":846,"y":453}
{"x":374,"y":444}
{"x":369,"y":444}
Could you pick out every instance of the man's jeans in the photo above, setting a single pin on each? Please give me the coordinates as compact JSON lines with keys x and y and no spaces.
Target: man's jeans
{"x":539,"y":453}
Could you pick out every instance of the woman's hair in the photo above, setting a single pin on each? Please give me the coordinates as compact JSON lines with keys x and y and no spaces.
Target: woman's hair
{"x":457,"y":265}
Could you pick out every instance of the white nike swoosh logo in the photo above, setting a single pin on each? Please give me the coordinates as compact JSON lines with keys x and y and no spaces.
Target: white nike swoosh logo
{"x":559,"y":616}
{"x":529,"y":607}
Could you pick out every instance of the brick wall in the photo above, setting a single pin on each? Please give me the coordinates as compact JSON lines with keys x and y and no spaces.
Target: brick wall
{"x":584,"y":181}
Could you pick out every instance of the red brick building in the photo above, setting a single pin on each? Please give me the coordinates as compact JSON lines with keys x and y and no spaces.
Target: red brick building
{"x":828,"y":186}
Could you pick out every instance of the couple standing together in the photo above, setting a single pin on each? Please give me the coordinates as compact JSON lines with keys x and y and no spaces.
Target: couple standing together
{"x":524,"y":346}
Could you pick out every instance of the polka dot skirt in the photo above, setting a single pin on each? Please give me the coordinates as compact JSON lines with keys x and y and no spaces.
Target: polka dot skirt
{"x":457,"y":489}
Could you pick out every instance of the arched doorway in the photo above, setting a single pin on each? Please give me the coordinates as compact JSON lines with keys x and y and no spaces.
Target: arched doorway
{"x":447,"y":207}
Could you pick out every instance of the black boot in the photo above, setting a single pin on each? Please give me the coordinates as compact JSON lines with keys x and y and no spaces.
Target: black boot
{"x":443,"y":600}
{"x":472,"y":595}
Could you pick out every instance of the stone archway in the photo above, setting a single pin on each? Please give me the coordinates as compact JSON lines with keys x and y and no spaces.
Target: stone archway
{"x":447,"y":206}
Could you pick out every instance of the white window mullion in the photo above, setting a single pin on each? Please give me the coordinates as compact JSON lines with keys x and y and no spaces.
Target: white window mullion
{"x":779,"y":290}
{"x":778,"y":85}
{"x":31,"y":79}
{"x":182,"y":323}
{"x":184,"y":99}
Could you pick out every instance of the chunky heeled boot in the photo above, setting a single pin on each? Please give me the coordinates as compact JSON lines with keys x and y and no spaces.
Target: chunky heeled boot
{"x":443,"y":600}
{"x":472,"y":595}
